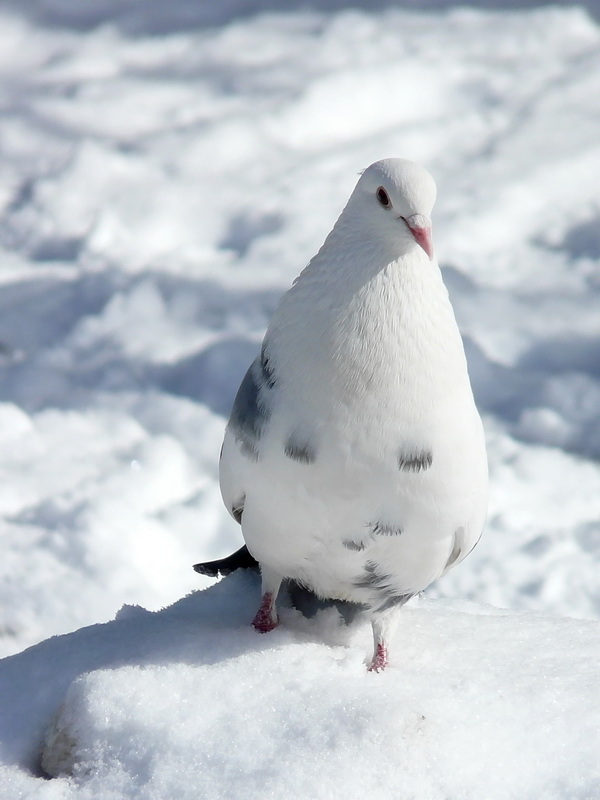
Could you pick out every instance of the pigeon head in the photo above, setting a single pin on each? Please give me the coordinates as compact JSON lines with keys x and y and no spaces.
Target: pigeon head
{"x":395,"y":198}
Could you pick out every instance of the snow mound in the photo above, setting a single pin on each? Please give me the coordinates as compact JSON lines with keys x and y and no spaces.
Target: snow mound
{"x":190,"y":702}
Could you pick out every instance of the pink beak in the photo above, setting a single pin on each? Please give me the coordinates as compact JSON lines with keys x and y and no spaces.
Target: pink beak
{"x":420,"y":227}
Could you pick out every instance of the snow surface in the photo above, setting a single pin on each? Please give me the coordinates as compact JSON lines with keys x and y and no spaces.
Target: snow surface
{"x":190,"y":702}
{"x":165,"y":172}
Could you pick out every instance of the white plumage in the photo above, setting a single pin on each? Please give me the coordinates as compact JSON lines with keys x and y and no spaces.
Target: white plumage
{"x":354,"y":456}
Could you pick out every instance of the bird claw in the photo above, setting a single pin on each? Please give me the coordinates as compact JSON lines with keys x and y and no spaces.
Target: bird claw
{"x":266,"y":618}
{"x":380,"y":659}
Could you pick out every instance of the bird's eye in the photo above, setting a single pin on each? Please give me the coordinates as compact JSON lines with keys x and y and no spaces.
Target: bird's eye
{"x":383,"y":197}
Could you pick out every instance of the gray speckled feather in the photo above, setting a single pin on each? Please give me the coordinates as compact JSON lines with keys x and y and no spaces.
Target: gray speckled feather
{"x":415,"y":462}
{"x":251,"y":408}
{"x":382,"y":588}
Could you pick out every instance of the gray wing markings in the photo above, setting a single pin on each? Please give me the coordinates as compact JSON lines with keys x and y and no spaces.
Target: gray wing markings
{"x":415,"y":462}
{"x":300,"y":449}
{"x":376,"y":529}
{"x":251,"y":410}
{"x":385,"y":594}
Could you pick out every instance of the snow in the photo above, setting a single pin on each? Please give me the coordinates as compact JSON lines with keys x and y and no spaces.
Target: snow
{"x":165,"y":172}
{"x":189,"y":702}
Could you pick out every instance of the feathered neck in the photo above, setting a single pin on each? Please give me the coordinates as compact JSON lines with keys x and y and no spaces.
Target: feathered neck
{"x":366,"y":315}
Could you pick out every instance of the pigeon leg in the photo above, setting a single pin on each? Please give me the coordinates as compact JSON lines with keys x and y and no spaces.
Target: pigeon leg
{"x":382,"y":629}
{"x":380,"y":658}
{"x":266,"y":616}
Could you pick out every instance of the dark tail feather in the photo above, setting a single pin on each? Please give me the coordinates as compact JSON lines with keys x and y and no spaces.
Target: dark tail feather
{"x":302,"y":598}
{"x":241,"y":559}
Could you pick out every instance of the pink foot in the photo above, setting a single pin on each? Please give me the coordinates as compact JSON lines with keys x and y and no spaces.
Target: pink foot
{"x":380,"y":659}
{"x":266,"y":618}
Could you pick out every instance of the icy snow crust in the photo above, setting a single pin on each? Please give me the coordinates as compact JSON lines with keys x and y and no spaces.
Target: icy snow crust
{"x":165,"y":172}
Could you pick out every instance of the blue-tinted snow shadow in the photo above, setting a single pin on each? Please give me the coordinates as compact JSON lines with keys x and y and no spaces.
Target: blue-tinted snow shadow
{"x":533,"y":384}
{"x":583,"y":239}
{"x":155,"y":17}
{"x":211,"y":376}
{"x":559,"y":376}
{"x":48,"y":359}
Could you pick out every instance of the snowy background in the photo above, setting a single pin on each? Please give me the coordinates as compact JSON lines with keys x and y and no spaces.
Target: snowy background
{"x":166,"y":170}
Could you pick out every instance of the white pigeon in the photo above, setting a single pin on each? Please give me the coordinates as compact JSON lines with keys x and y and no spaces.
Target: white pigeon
{"x":354,"y":457}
